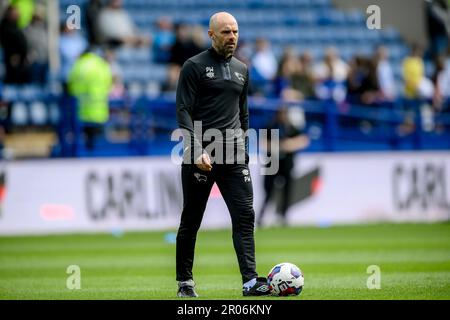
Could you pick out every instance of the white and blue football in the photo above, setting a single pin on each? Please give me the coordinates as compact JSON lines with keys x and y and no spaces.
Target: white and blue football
{"x":286,"y":279}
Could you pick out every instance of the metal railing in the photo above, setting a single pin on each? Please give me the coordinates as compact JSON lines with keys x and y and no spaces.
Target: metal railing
{"x":148,"y":123}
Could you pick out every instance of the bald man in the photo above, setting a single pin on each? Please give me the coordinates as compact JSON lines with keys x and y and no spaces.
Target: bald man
{"x":212,"y":92}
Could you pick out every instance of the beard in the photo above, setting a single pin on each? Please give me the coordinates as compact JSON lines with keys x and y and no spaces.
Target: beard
{"x":226,"y":50}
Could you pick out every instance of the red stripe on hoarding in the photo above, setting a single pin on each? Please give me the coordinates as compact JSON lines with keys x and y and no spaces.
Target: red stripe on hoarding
{"x":56,"y":212}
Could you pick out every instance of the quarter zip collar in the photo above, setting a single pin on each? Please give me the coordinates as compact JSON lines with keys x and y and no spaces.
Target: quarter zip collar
{"x":217,"y":56}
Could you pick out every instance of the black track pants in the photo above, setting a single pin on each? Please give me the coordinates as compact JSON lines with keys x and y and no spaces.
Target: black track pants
{"x":235,"y":185}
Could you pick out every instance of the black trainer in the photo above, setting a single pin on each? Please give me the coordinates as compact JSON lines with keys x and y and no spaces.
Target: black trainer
{"x":260,"y":288}
{"x":186,"y":289}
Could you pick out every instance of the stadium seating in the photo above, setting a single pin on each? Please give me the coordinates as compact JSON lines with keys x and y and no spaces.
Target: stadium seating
{"x":311,"y":25}
{"x":296,"y":23}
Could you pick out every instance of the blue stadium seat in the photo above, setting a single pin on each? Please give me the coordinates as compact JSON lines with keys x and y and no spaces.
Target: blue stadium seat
{"x":355,"y":17}
{"x":303,"y":24}
{"x":330,"y":17}
{"x":397,"y":51}
{"x":307,"y":17}
{"x":390,"y":34}
{"x":38,"y":113}
{"x":10,"y":93}
{"x":25,"y":93}
{"x":144,"y":73}
{"x":127,"y":55}
{"x":19,"y":114}
{"x":346,"y":52}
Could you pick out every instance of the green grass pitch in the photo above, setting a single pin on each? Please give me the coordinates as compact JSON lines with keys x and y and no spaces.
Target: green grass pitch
{"x":414,"y":260}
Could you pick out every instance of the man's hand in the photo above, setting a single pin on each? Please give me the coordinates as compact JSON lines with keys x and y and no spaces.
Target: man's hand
{"x":204,"y":162}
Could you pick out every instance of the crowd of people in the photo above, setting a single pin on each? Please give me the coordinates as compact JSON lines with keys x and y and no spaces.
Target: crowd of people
{"x":365,"y":80}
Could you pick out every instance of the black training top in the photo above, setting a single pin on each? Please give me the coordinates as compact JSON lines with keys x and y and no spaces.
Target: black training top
{"x":213,"y":90}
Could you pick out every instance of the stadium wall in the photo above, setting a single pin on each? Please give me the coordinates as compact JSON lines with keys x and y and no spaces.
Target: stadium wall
{"x":114,"y":195}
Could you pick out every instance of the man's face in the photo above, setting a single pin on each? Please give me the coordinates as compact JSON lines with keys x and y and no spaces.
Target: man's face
{"x":225,"y":37}
{"x":116,"y":4}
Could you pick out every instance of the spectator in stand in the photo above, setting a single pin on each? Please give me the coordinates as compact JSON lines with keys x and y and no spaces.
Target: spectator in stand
{"x":71,"y":45}
{"x":164,"y":39}
{"x":116,"y":27}
{"x":198,"y":37}
{"x":92,"y":11}
{"x":15,"y":48}
{"x":385,"y":75}
{"x":263,"y":69}
{"x":289,"y":66}
{"x":307,"y":60}
{"x":417,"y":86}
{"x":441,"y":79}
{"x":244,"y":52}
{"x":26,"y":10}
{"x":118,"y":88}
{"x":332,"y":67}
{"x":184,"y":47}
{"x":441,"y":99}
{"x":354,"y":80}
{"x":36,"y":34}
{"x":294,"y":82}
{"x":170,"y":84}
{"x":362,"y":82}
{"x":264,"y":63}
{"x":305,"y":81}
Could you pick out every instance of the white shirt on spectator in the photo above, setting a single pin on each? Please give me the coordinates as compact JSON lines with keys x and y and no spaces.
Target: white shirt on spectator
{"x":386,"y":80}
{"x":340,"y":71}
{"x":444,"y":80}
{"x":266,"y":64}
{"x":115,"y":24}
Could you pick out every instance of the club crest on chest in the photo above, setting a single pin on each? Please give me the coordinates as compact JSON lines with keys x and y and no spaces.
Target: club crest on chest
{"x":209,"y":72}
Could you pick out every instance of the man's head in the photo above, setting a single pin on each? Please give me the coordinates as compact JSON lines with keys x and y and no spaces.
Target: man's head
{"x":115,"y":4}
{"x":12,"y":14}
{"x":416,"y":50}
{"x":223,"y":31}
{"x":261,"y":45}
{"x":331,"y":54}
{"x":282,"y":114}
{"x":382,"y":53}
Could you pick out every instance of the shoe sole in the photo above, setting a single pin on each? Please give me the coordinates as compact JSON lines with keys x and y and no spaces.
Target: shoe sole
{"x":268,"y":293}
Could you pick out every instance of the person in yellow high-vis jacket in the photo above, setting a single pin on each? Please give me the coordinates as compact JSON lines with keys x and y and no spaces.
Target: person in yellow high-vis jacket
{"x":90,"y":82}
{"x":413,"y":70}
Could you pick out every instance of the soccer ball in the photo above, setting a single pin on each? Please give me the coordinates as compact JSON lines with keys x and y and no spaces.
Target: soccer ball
{"x":285,"y":279}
